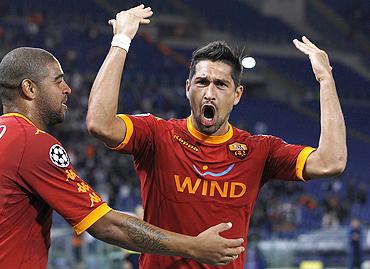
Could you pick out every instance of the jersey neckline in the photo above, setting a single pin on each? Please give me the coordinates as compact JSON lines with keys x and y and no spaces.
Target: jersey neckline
{"x":21,"y":116}
{"x":212,"y":139}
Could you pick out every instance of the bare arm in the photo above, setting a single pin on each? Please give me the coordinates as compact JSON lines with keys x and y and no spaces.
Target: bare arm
{"x":101,"y":118}
{"x":131,"y":233}
{"x":331,"y":155}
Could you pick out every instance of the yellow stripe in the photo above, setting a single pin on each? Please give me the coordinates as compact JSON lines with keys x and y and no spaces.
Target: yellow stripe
{"x":301,"y":161}
{"x":216,"y":139}
{"x":129,"y":131}
{"x":19,"y":115}
{"x":90,"y":219}
{"x":26,"y":119}
{"x":131,"y":252}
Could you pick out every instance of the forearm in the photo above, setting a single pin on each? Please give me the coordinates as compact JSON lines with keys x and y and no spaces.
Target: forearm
{"x":131,"y":233}
{"x":103,"y":100}
{"x":331,"y":154}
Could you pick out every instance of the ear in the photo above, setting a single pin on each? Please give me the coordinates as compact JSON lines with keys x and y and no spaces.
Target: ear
{"x":238,"y":94}
{"x":28,"y":89}
{"x":187,"y":89}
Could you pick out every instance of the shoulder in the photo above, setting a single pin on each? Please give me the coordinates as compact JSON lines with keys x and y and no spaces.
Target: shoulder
{"x":42,"y":147}
{"x":245,"y":135}
{"x":257,"y":140}
{"x":156,"y":121}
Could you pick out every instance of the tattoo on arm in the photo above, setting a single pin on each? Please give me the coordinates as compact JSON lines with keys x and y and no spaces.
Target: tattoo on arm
{"x":144,"y":235}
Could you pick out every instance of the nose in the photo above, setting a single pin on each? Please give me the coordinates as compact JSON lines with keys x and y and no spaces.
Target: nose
{"x":67,"y":90}
{"x":210,"y":92}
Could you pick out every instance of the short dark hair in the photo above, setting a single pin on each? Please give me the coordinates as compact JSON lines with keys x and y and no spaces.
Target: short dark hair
{"x":218,"y":51}
{"x":19,"y":64}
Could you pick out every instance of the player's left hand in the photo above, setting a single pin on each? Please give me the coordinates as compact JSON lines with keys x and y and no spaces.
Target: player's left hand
{"x":319,"y":59}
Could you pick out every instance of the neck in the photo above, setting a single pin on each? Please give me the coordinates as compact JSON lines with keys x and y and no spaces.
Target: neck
{"x":224,"y":128}
{"x":27,"y":113}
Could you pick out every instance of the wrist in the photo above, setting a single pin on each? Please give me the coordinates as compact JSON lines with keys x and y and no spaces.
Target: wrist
{"x":121,"y":41}
{"x":326,"y":79}
{"x":186,"y":246}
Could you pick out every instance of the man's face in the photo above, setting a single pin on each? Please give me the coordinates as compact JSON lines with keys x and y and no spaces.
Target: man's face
{"x":52,"y":97}
{"x":212,"y":94}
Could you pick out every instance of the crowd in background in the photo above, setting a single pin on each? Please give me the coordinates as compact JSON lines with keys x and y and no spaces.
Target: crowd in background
{"x":281,"y":207}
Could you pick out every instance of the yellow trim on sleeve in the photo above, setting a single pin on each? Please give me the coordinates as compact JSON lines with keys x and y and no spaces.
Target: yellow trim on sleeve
{"x":129,"y":131}
{"x":301,"y":161}
{"x":212,"y":139}
{"x":91,"y":218}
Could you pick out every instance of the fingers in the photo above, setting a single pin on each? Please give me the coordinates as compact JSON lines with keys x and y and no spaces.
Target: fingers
{"x":222,"y":227}
{"x":303,"y":47}
{"x":306,"y":46}
{"x":234,"y":242}
{"x":227,"y":259}
{"x":309,"y":43}
{"x":112,"y":22}
{"x":145,"y":21}
{"x":233,"y":252}
{"x":141,"y":12}
{"x":137,"y":7}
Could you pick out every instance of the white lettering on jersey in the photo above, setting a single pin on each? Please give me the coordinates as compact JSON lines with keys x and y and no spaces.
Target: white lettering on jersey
{"x":2,"y":130}
{"x":141,"y":115}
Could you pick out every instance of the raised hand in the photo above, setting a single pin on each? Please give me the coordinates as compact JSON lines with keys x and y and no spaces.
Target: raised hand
{"x":319,"y":59}
{"x":213,"y":249}
{"x":127,"y":22}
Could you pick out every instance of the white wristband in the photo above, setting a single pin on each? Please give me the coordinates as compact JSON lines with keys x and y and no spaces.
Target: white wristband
{"x":122,"y":41}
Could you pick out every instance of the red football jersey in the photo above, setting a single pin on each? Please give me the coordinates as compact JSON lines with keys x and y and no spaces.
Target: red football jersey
{"x":36,"y":177}
{"x":190,"y":181}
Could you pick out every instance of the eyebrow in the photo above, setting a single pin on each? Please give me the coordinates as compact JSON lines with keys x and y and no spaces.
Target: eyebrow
{"x":224,"y":81}
{"x":59,"y":76}
{"x":217,"y":80}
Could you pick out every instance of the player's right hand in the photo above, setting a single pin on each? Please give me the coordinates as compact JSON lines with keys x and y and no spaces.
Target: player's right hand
{"x":127,"y":22}
{"x":211,"y":248}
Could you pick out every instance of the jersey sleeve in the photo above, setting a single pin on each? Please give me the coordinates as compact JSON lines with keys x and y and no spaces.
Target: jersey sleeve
{"x":286,"y":161}
{"x":140,"y":133}
{"x":46,"y":169}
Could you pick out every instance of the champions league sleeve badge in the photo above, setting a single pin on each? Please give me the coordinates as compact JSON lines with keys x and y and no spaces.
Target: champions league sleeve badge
{"x":59,"y":156}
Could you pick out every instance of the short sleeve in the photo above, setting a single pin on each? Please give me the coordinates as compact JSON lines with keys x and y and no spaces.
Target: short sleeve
{"x":286,"y":161}
{"x":139,"y":140}
{"x":45,"y":167}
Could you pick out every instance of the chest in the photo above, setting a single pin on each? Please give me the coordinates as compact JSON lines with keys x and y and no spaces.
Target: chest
{"x":230,"y":173}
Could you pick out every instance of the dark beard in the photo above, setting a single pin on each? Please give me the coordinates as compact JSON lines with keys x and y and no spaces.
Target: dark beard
{"x":48,"y":114}
{"x":53,"y":118}
{"x":211,"y":129}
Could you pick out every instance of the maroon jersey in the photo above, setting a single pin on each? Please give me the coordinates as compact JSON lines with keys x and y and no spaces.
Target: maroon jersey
{"x":36,"y":177}
{"x":190,"y":181}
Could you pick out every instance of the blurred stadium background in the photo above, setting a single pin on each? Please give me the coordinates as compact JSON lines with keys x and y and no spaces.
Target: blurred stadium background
{"x":292,"y":222}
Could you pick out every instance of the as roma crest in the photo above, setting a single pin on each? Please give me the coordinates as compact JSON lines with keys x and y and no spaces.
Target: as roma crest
{"x":239,"y":150}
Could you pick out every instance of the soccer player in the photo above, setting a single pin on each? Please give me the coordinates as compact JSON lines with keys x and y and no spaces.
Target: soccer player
{"x":198,"y":170}
{"x":36,"y":176}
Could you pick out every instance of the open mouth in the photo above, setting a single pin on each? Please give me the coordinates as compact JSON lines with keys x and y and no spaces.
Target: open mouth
{"x":208,"y":111}
{"x":64,"y":103}
{"x":208,"y":115}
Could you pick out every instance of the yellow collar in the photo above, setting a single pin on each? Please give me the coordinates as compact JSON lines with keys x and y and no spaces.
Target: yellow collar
{"x":212,"y":139}
{"x":21,"y":116}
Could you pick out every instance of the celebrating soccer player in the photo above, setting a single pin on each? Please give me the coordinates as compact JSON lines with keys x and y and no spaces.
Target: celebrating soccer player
{"x":197,"y":171}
